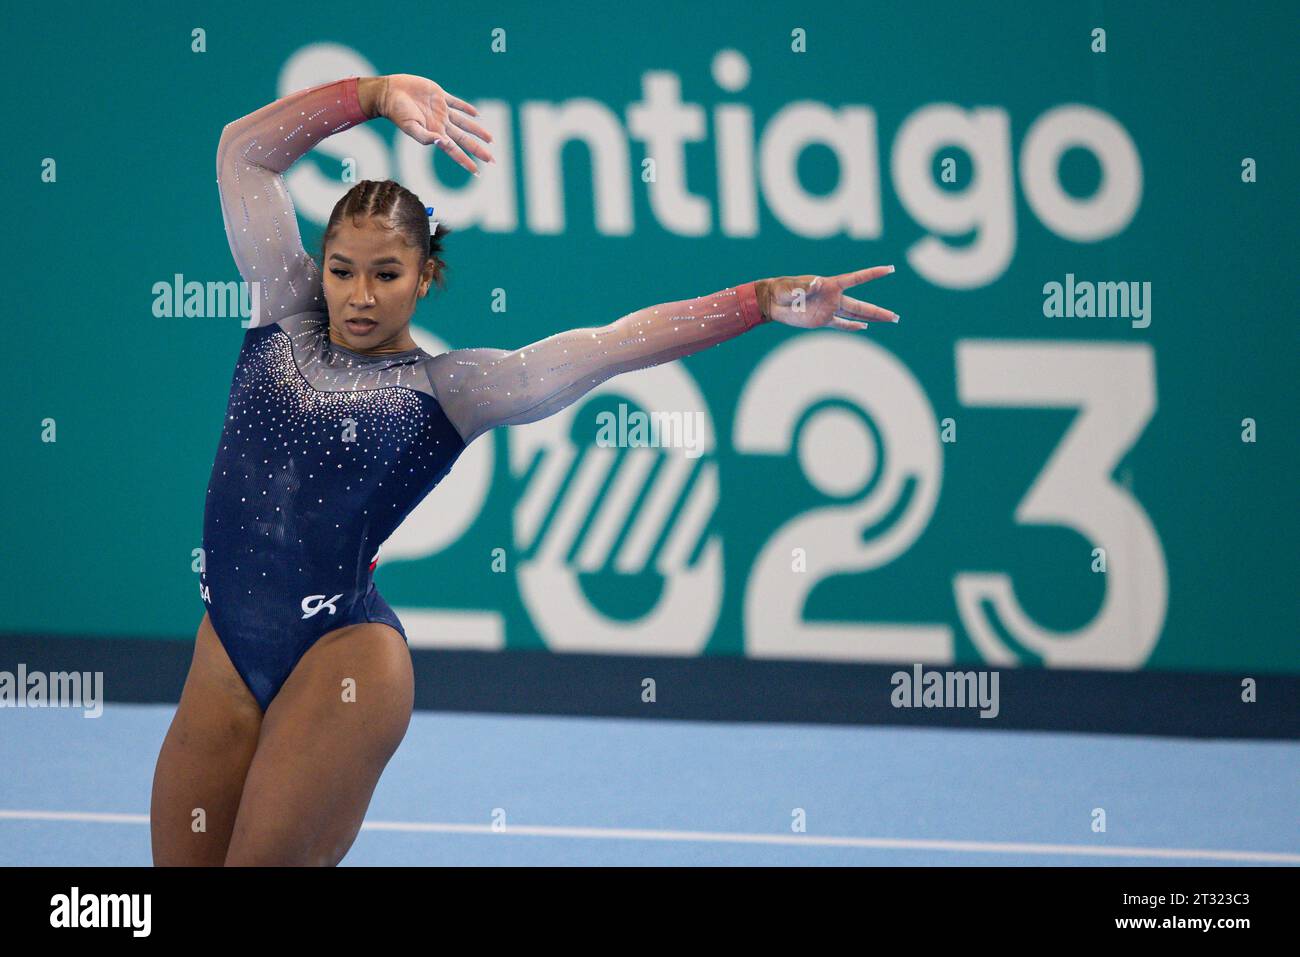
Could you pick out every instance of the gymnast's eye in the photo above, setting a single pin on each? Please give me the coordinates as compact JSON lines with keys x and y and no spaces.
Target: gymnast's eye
{"x":341,"y":273}
{"x":393,"y":274}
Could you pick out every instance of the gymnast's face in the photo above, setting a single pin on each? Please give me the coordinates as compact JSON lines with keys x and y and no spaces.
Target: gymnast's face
{"x":373,"y":280}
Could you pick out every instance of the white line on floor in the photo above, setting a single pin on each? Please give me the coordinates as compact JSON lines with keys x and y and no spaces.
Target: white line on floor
{"x":725,"y":837}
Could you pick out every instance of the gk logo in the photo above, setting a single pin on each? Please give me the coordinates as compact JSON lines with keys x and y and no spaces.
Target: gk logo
{"x":309,"y":609}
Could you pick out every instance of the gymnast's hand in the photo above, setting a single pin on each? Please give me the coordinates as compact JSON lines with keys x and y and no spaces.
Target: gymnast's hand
{"x":428,"y":114}
{"x":824,"y":302}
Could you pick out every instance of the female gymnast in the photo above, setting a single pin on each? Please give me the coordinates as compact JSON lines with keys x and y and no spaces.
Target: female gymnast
{"x":338,"y":424}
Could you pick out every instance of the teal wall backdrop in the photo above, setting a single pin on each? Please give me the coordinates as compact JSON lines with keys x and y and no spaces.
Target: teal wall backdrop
{"x":839,"y":514}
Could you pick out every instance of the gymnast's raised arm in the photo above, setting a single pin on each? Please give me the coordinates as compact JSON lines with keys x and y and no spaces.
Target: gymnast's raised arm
{"x":256,"y":149}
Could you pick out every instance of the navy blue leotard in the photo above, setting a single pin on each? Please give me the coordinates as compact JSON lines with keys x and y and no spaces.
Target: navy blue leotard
{"x":325,"y":450}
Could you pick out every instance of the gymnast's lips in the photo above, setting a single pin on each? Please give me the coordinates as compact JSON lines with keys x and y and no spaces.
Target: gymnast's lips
{"x":360,"y":325}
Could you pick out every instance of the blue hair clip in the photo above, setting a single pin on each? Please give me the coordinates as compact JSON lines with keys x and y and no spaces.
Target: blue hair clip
{"x":433,"y":223}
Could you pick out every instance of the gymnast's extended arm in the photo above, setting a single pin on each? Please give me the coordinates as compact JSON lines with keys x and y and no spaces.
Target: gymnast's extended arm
{"x":480,"y":389}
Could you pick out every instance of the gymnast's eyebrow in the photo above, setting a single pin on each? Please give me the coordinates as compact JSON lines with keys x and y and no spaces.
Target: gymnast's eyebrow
{"x":376,"y":262}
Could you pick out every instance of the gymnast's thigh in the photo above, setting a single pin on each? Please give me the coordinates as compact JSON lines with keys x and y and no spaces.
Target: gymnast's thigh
{"x":326,"y":738}
{"x":204,"y":759}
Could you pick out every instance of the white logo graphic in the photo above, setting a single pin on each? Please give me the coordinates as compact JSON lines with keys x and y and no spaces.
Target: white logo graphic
{"x":309,"y":609}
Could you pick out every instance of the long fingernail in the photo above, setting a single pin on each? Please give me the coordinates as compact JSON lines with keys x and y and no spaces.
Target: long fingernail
{"x":891,"y":268}
{"x":896,"y":317}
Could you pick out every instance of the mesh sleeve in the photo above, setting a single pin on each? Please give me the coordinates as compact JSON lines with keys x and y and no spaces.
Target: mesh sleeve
{"x":260,"y":221}
{"x":480,"y":389}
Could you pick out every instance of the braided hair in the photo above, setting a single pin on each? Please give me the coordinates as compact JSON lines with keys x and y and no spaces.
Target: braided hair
{"x":396,"y":207}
